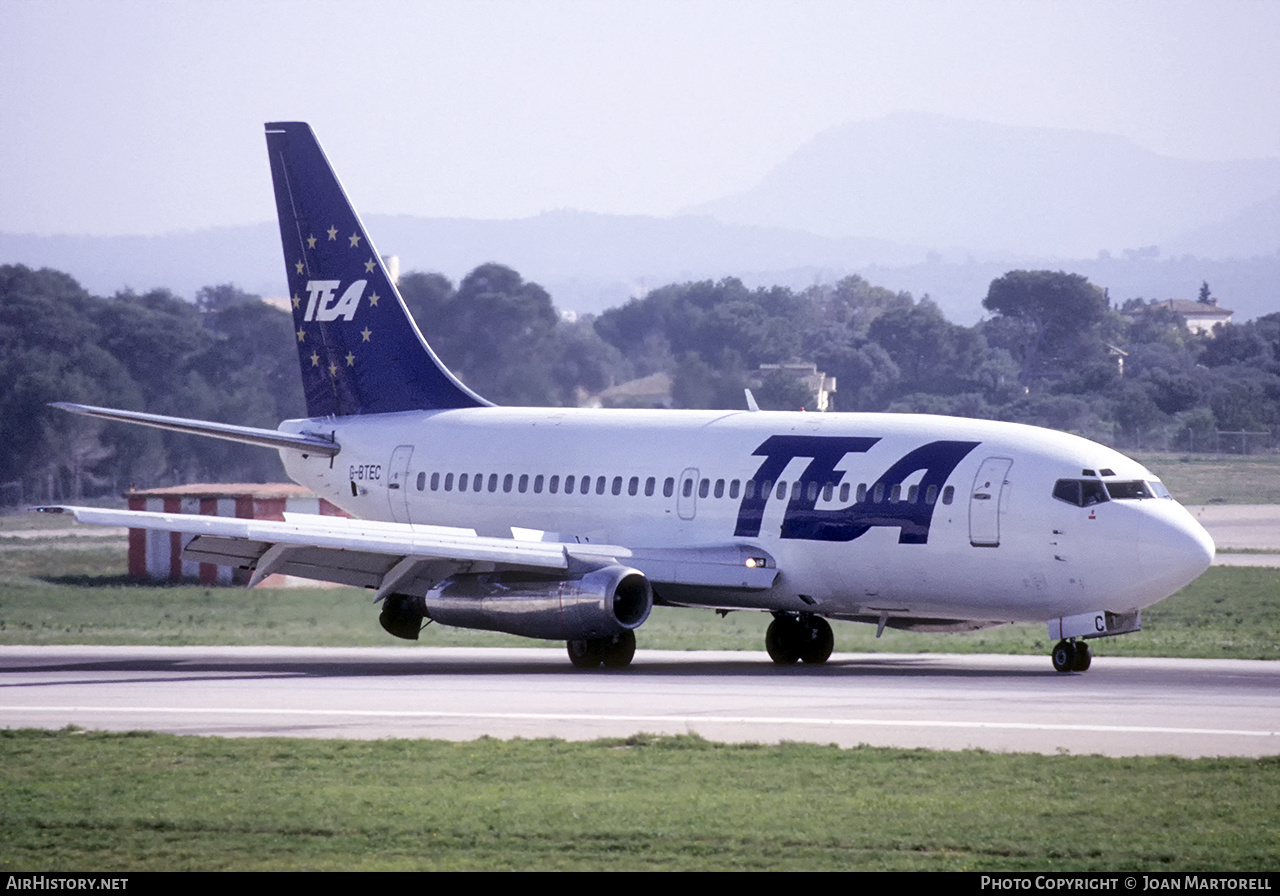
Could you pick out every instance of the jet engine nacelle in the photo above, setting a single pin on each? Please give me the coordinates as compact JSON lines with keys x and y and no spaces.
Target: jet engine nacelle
{"x":598,"y":604}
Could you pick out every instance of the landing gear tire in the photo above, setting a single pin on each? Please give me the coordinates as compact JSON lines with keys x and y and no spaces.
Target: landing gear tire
{"x":1068,"y":656}
{"x":614,"y":653}
{"x":1084,"y":657}
{"x":821,"y":641}
{"x":584,"y":654}
{"x":791,"y":639}
{"x":783,"y":640}
{"x":617,"y":652}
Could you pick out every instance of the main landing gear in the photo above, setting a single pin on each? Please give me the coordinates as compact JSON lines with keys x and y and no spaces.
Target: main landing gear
{"x":799,"y":637}
{"x":612,"y":653}
{"x":1071,"y":656}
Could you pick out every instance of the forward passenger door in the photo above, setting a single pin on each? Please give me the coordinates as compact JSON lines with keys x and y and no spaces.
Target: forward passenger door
{"x":984,"y":502}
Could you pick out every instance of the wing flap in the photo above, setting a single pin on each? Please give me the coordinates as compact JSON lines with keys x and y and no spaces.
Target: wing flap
{"x":363,"y":569}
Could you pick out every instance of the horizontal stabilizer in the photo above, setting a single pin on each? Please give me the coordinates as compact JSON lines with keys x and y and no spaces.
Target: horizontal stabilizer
{"x":248,"y":435}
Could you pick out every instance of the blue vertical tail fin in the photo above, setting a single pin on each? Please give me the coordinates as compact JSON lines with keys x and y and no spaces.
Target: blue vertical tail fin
{"x":359,"y":349}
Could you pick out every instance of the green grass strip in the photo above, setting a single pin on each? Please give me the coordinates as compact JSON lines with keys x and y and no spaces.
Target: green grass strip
{"x":73,"y":800}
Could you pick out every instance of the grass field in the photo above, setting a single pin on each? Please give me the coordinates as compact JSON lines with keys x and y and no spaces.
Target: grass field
{"x":1217,"y":479}
{"x":73,"y":800}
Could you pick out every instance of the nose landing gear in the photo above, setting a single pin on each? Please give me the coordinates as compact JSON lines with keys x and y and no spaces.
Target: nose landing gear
{"x":1071,"y":656}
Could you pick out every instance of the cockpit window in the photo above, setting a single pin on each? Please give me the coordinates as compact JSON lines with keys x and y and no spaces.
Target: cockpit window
{"x":1087,"y":492}
{"x":1080,"y":492}
{"x":1129,"y":490}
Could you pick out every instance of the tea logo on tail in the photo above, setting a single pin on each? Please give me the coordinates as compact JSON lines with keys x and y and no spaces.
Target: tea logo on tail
{"x":320,"y":303}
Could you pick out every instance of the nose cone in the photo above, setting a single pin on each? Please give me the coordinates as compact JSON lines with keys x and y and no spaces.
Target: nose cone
{"x":1173,"y":548}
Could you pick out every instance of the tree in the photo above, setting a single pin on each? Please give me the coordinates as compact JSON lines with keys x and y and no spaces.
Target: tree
{"x":852,"y":304}
{"x":780,"y":391}
{"x":222,"y":297}
{"x":509,"y":325}
{"x":931,"y":353}
{"x":1045,"y":318}
{"x":427,"y":296}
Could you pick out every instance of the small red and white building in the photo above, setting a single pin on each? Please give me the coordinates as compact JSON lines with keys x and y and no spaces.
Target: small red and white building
{"x":157,"y":556}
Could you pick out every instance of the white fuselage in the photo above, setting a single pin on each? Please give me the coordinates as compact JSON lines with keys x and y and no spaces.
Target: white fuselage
{"x":967,"y":527}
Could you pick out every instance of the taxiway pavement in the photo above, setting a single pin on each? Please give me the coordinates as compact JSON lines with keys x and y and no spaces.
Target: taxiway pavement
{"x":1122,"y":706}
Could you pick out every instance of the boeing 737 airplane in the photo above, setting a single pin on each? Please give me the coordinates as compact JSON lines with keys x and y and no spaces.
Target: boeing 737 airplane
{"x":572,"y":524}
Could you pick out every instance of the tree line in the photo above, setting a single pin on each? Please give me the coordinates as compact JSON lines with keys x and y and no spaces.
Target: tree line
{"x":1053,"y":350}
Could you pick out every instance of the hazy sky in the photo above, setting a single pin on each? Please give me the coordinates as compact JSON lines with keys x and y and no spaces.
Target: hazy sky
{"x":132,"y":116}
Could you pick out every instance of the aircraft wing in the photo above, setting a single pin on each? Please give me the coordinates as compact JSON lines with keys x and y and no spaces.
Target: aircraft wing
{"x":391,"y":557}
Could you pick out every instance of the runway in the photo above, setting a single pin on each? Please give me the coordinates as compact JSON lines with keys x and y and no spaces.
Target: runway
{"x":1121,"y":707}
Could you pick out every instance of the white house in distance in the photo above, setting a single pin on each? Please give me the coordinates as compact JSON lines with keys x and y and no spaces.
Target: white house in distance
{"x":1200,"y":317}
